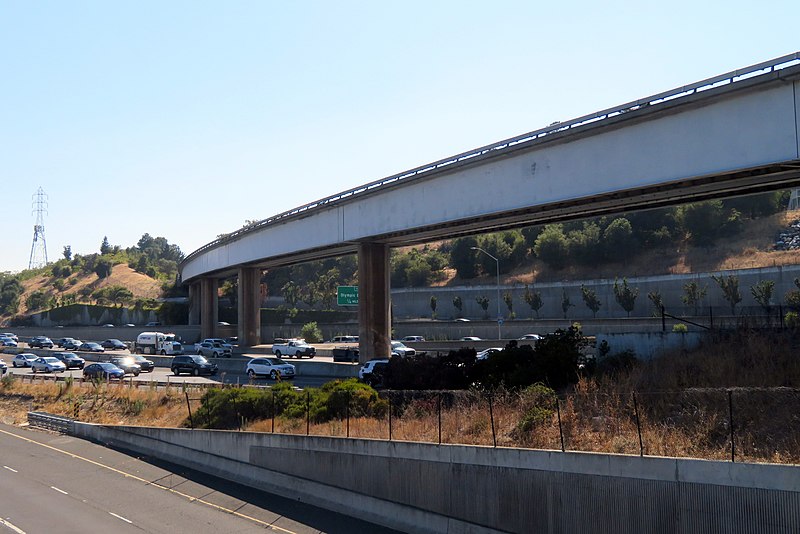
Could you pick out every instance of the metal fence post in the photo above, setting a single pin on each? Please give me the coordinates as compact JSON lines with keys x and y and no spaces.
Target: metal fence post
{"x":638,"y":424}
{"x":391,"y":405}
{"x":730,"y":423}
{"x":273,"y":411}
{"x":308,"y":413}
{"x":663,"y":320}
{"x":711,"y":317}
{"x":347,"y":409}
{"x":491,"y":418}
{"x":440,"y":417}
{"x":560,"y":426}
{"x":189,"y":407}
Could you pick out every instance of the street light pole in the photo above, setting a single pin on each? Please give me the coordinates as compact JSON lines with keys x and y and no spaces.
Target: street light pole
{"x":499,"y":316}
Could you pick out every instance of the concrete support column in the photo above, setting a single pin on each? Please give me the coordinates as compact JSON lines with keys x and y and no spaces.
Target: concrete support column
{"x":209,"y":307}
{"x":194,"y":304}
{"x":249,"y":306}
{"x":374,"y":302}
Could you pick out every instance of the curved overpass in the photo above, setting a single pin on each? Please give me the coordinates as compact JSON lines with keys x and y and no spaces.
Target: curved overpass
{"x":736,"y":133}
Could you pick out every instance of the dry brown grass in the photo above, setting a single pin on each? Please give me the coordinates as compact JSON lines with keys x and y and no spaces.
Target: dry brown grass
{"x":681,"y":405}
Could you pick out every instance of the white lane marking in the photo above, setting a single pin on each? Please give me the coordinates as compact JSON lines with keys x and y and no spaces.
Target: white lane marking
{"x":11,"y":525}
{"x":120,"y":517}
{"x":269,"y":526}
{"x":12,"y":470}
{"x":59,"y":490}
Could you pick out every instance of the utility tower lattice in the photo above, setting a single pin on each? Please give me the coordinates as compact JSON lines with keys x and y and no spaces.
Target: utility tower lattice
{"x":39,"y":245}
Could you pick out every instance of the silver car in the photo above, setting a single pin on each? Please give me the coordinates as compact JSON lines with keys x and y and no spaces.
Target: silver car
{"x":272,"y":367}
{"x":24,"y":359}
{"x":48,"y":364}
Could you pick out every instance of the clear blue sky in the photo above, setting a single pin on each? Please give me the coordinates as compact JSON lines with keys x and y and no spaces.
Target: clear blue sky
{"x":183,"y":119}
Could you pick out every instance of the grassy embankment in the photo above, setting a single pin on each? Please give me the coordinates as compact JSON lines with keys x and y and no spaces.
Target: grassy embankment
{"x":683,"y":403}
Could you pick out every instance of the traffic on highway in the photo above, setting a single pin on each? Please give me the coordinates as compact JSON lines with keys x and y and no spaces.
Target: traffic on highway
{"x":154,"y":359}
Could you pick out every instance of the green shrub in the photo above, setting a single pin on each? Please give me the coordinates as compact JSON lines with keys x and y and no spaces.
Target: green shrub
{"x":792,"y":319}
{"x":680,"y":328}
{"x":615,"y":363}
{"x":311,"y":332}
{"x":537,"y":407}
{"x":229,"y":408}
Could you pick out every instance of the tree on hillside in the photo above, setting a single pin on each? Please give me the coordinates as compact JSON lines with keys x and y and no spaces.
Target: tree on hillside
{"x":458,"y":304}
{"x":625,"y":295}
{"x":730,"y":289}
{"x":10,"y":291}
{"x":551,"y":246}
{"x":433,"y":301}
{"x":462,"y":257}
{"x":693,"y":294}
{"x":291,"y":293}
{"x":67,"y":252}
{"x":36,"y":300}
{"x":103,"y":267}
{"x":533,"y":299}
{"x":589,"y":297}
{"x":585,"y":245}
{"x":618,"y":239}
{"x":105,"y":248}
{"x":762,"y":293}
{"x":706,"y":221}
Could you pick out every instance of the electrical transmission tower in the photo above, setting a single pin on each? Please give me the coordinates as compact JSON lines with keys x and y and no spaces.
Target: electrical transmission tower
{"x":39,"y":245}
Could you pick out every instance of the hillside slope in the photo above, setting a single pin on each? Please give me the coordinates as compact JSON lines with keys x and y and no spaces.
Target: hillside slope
{"x":141,"y":285}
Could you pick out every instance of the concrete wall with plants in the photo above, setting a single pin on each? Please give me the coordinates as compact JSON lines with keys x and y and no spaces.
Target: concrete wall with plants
{"x":415,"y":302}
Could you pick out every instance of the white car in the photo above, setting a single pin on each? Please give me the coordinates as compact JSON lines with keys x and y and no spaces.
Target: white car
{"x":372,"y":372}
{"x":482,"y":355}
{"x":398,"y":349}
{"x":24,"y":359}
{"x":413,"y":339}
{"x":271,"y":367}
{"x":470,"y":338}
{"x":11,"y":335}
{"x":6,"y":341}
{"x":3,"y":368}
{"x":48,"y":364}
{"x":369,"y":367}
{"x":530,"y":337}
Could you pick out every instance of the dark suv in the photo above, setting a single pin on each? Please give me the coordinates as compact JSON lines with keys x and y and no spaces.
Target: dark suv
{"x":70,"y":360}
{"x":196,"y":365}
{"x":43,"y":342}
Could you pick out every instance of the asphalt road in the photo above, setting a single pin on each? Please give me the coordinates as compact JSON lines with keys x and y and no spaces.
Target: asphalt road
{"x":55,"y":483}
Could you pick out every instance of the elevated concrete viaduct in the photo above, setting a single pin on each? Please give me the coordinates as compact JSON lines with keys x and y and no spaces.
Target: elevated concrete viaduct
{"x":729,"y":135}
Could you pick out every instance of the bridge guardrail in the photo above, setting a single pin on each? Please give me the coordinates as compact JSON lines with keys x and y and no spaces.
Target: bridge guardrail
{"x":728,"y":78}
{"x":56,"y":423}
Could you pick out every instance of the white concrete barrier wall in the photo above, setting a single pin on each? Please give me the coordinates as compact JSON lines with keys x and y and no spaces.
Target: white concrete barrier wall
{"x":418,"y":487}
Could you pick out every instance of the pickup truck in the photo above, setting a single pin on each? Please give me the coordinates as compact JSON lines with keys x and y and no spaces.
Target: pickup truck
{"x":212,"y":349}
{"x":294,"y":347}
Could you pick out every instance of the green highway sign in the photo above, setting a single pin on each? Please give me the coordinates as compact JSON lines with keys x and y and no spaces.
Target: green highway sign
{"x":347,"y":295}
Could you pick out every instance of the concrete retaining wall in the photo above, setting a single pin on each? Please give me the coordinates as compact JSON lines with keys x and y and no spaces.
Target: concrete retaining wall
{"x":649,"y":345}
{"x":416,"y":487}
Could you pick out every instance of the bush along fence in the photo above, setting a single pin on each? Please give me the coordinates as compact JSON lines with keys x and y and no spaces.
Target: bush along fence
{"x":741,"y":424}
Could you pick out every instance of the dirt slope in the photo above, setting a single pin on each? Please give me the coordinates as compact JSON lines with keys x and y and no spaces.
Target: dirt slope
{"x":142,"y":286}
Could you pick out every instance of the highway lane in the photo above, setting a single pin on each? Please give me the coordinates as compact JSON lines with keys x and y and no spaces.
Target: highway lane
{"x":55,"y":483}
{"x":163,"y":374}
